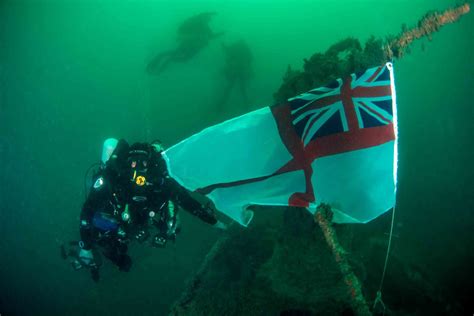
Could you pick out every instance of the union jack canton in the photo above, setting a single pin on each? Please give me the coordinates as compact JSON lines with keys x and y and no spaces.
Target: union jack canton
{"x":348,"y":114}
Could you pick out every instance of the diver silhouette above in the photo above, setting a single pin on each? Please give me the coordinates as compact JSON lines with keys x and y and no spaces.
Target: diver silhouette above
{"x":193,"y":35}
{"x":237,"y":71}
{"x":132,"y":195}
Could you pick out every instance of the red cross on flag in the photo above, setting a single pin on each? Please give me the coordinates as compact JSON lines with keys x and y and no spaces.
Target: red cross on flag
{"x":336,"y":145}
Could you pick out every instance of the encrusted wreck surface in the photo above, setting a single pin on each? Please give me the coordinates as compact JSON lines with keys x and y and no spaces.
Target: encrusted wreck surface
{"x":350,"y":56}
{"x":280,"y":263}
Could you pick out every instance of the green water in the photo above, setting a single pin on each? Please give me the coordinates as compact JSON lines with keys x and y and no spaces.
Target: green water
{"x":73,"y":73}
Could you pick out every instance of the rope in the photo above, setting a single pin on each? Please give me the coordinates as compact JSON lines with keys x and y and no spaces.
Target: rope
{"x":428,"y":25}
{"x":323,"y":217}
{"x":378,"y":299}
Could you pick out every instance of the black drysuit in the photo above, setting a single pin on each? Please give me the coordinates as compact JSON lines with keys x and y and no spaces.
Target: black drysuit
{"x":150,"y":197}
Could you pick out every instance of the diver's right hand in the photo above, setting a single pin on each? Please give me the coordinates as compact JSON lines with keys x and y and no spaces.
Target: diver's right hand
{"x":86,"y":257}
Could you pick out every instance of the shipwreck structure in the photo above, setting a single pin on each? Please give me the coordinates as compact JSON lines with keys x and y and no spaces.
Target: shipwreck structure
{"x":291,"y":263}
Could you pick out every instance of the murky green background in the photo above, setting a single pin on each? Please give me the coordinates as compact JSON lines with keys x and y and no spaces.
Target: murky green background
{"x":73,"y":73}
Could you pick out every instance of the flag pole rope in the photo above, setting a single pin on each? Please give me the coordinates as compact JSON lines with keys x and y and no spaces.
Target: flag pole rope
{"x":428,"y":25}
{"x":378,"y":298}
{"x":323,"y":217}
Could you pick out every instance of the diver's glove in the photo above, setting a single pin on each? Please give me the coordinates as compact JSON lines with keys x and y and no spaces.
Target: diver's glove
{"x":220,"y":225}
{"x":86,"y":257}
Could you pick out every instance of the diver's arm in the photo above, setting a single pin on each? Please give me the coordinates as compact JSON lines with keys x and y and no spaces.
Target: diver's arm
{"x":85,"y":255}
{"x":181,"y":196}
{"x":96,"y":197}
{"x":85,"y":226}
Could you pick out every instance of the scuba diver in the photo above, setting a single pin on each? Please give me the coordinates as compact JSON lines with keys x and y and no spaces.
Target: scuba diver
{"x":193,"y":35}
{"x":237,"y":70}
{"x":132,"y":194}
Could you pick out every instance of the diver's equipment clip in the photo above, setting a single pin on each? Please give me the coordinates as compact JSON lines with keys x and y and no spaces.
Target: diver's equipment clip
{"x":126,"y":214}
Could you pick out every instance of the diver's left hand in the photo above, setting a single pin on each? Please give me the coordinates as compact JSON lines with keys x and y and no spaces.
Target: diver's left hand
{"x":220,"y":225}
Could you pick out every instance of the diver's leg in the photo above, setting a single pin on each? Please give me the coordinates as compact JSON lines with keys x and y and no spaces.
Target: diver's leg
{"x":160,"y":239}
{"x":95,"y":273}
{"x":157,"y":65}
{"x":174,"y":56}
{"x":184,"y":53}
{"x":224,"y":94}
{"x":165,"y":64}
{"x":243,"y":92}
{"x":116,"y":251}
{"x":124,"y":261}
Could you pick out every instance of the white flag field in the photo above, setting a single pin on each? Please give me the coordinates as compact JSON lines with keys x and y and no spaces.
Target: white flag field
{"x":335,"y":144}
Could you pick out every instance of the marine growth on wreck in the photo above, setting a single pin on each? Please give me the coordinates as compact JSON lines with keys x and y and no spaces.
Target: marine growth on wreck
{"x":289,"y":263}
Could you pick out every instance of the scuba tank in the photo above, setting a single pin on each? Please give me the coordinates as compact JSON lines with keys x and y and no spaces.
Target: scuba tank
{"x":108,"y":148}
